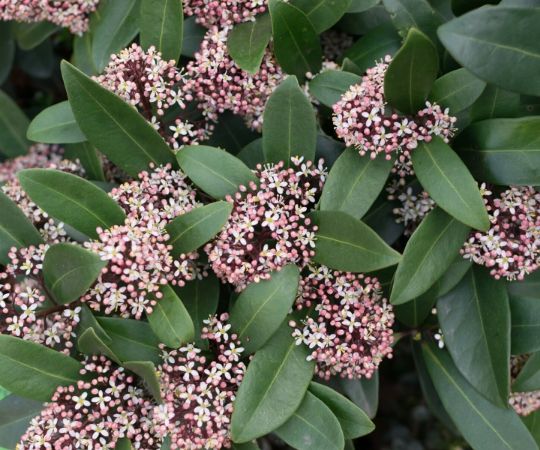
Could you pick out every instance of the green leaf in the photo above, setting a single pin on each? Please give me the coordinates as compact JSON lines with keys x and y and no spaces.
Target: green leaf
{"x":479,"y":41}
{"x":345,"y":243}
{"x":69,"y":271}
{"x":503,"y":151}
{"x":15,"y":416}
{"x":411,"y":73}
{"x":195,"y":228}
{"x":13,"y":125}
{"x":525,"y":323}
{"x":161,"y":24}
{"x":457,"y":90}
{"x":354,"y":422}
{"x":123,"y":444}
{"x":247,"y":43}
{"x":88,"y":320}
{"x":252,"y":154}
{"x":71,"y":199}
{"x":30,"y":35}
{"x":475,"y":320}
{"x":406,"y":14}
{"x":495,"y":102}
{"x":193,"y":36}
{"x":89,"y":157}
{"x":273,"y":387}
{"x":15,"y":229}
{"x":313,"y":426}
{"x":532,"y":421}
{"x":7,"y":51}
{"x":330,"y":85}
{"x":55,"y":125}
{"x":116,"y":29}
{"x":296,"y":43}
{"x":289,"y":125}
{"x":361,"y":5}
{"x":90,"y":343}
{"x":262,"y":307}
{"x":215,"y":171}
{"x":34,"y":371}
{"x":112,"y":125}
{"x":147,"y":371}
{"x":529,"y":376}
{"x":427,"y":255}
{"x":354,"y":183}
{"x":170,"y":320}
{"x":449,"y":183}
{"x":82,"y":54}
{"x":323,"y":14}
{"x":484,"y":425}
{"x":363,"y":392}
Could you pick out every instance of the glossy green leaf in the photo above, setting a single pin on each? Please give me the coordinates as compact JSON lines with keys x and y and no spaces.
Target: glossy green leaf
{"x":479,"y":41}
{"x":7,"y":51}
{"x":330,"y":85}
{"x":191,"y":230}
{"x":323,"y":13}
{"x":289,"y":126}
{"x":90,"y":343}
{"x":252,"y":154}
{"x":193,"y":36}
{"x":532,"y":421}
{"x":231,"y":133}
{"x":71,"y":199}
{"x":15,"y":416}
{"x":247,"y":43}
{"x":296,"y":44}
{"x":161,"y":23}
{"x":215,"y":171}
{"x":475,"y":320}
{"x":82,"y":57}
{"x":354,"y":183}
{"x":89,"y":157}
{"x":123,"y":444}
{"x":30,"y":35}
{"x":484,"y":425}
{"x":55,"y":125}
{"x":170,"y":320}
{"x":69,"y":271}
{"x":262,"y":307}
{"x":357,"y":6}
{"x":345,"y":243}
{"x":313,"y":426}
{"x":449,"y":183}
{"x":427,"y":255}
{"x":364,"y":393}
{"x":529,"y":376}
{"x":525,"y":323}
{"x":34,"y":371}
{"x":411,"y":73}
{"x":273,"y":387}
{"x":13,"y":125}
{"x":147,"y":371}
{"x":113,"y":125}
{"x":456,"y":90}
{"x":246,"y":446}
{"x":406,"y":14}
{"x":88,"y":320}
{"x":495,"y":102}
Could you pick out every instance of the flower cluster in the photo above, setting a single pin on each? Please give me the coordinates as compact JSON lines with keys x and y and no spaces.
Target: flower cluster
{"x":199,"y":392}
{"x":350,"y":332}
{"x":95,"y":414}
{"x":157,"y":89}
{"x":224,"y":13}
{"x":268,"y":227}
{"x":363,"y":119}
{"x":71,"y":14}
{"x":511,"y":247}
{"x":524,"y":403}
{"x":219,"y":85}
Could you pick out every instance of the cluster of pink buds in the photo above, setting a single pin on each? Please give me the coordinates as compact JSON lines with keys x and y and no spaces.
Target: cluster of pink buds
{"x":524,"y":403}
{"x":199,"y":391}
{"x":95,"y":414}
{"x":71,"y":14}
{"x":268,"y":227}
{"x":219,"y":85}
{"x":157,"y":89}
{"x":26,"y":311}
{"x":350,"y":332}
{"x":363,"y":119}
{"x":224,"y":13}
{"x":511,"y":247}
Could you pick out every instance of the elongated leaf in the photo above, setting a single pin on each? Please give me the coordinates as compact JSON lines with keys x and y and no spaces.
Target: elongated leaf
{"x":479,"y":42}
{"x":289,"y":126}
{"x":170,"y":320}
{"x":247,"y":43}
{"x":30,"y":35}
{"x":15,"y":416}
{"x":13,"y":125}
{"x":406,"y":14}
{"x":411,"y":73}
{"x":330,"y":85}
{"x":55,"y":125}
{"x":123,"y":444}
{"x":363,"y":392}
{"x":495,"y":102}
{"x":7,"y":51}
{"x":354,"y":422}
{"x":525,"y":323}
{"x":193,"y":36}
{"x":90,"y":343}
{"x":475,"y":320}
{"x":296,"y":44}
{"x":89,"y":157}
{"x":313,"y":426}
{"x":323,"y":13}
{"x":161,"y":24}
{"x":32,"y":370}
{"x":484,"y":425}
{"x":195,"y":228}
{"x":71,"y":199}
{"x":147,"y":371}
{"x":503,"y":151}
{"x":457,"y":90}
{"x":215,"y":171}
{"x":428,"y":253}
{"x":345,"y":243}
{"x":112,"y":125}
{"x":69,"y":271}
{"x":262,"y":307}
{"x":88,"y":320}
{"x":361,"y":5}
{"x":447,"y":180}
{"x":273,"y":387}
{"x":529,"y":376}
{"x":354,"y":183}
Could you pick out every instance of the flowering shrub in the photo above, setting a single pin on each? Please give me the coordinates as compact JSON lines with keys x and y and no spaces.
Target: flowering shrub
{"x":244,"y":224}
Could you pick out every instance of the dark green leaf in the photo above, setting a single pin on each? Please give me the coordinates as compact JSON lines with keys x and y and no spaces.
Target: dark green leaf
{"x":357,"y":6}
{"x":381,"y":218}
{"x":123,"y":444}
{"x":407,"y":14}
{"x":90,"y":343}
{"x":231,"y":133}
{"x":525,"y":323}
{"x":88,"y":320}
{"x":30,"y":35}
{"x":323,"y":13}
{"x":529,"y":376}
{"x":147,"y":371}
{"x":193,"y":36}
{"x":457,"y":90}
{"x":246,"y":446}
{"x":7,"y":51}
{"x":532,"y":421}
{"x":15,"y":416}
{"x":55,"y":125}
{"x":330,"y":85}
{"x":13,"y":125}
{"x":82,"y":57}
{"x":252,"y":154}
{"x":89,"y":157}
{"x":363,"y":392}
{"x":495,"y":102}
{"x":460,"y":7}
{"x":161,"y":24}
{"x":247,"y":43}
